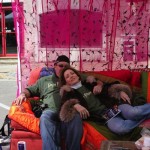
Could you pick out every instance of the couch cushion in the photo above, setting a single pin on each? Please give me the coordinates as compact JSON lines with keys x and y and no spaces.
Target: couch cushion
{"x":46,"y":71}
{"x":34,"y":76}
{"x":145,"y":124}
{"x":33,"y":140}
{"x":25,"y":134}
{"x":146,"y":85}
{"x":16,"y":126}
{"x":91,"y":137}
{"x":136,"y":79}
{"x":123,"y":76}
{"x":134,"y":135}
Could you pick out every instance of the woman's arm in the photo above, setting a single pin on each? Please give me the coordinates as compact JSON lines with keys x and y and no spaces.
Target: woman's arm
{"x":84,"y":113}
{"x":120,"y":91}
{"x":71,"y":105}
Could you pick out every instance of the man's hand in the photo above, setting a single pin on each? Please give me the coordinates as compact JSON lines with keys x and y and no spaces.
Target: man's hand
{"x":125,"y":97}
{"x":20,"y":99}
{"x":84,"y":113}
{"x":98,"y":88}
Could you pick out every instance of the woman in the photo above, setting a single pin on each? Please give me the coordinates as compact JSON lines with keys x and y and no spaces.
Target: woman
{"x":77,"y":97}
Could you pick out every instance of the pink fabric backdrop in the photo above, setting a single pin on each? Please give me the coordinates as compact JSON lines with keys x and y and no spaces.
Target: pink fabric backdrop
{"x":95,"y":34}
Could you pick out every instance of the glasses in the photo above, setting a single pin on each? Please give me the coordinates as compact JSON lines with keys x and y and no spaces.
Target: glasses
{"x":62,"y":66}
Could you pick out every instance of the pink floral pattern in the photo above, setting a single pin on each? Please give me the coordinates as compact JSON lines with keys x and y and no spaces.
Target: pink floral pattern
{"x":95,"y":34}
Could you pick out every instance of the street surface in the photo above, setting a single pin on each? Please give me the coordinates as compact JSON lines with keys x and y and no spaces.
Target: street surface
{"x":8,"y":89}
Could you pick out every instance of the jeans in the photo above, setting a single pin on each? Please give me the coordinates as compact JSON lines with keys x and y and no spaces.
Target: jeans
{"x":72,"y":132}
{"x":50,"y":131}
{"x":130,"y":117}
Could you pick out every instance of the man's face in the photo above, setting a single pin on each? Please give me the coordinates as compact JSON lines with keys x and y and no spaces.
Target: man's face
{"x":59,"y":67}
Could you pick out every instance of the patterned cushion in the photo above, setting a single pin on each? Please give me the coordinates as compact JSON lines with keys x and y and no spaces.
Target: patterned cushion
{"x":46,"y":71}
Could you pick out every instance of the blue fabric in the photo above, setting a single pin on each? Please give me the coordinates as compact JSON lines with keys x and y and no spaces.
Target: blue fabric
{"x":46,"y":71}
{"x":130,"y":117}
{"x":50,"y":131}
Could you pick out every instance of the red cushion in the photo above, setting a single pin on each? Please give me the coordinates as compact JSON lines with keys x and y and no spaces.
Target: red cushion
{"x":136,"y":79}
{"x":145,"y":124}
{"x":123,"y":75}
{"x":17,"y":126}
{"x":33,"y":140}
{"x":91,"y":137}
{"x":25,"y":134}
{"x":34,"y":76}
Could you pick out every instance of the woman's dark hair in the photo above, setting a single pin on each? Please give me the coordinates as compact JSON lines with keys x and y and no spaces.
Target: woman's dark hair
{"x":62,"y":80}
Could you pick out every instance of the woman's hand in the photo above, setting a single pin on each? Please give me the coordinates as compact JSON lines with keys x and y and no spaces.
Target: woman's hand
{"x":125,"y":97}
{"x":20,"y":99}
{"x":84,"y":113}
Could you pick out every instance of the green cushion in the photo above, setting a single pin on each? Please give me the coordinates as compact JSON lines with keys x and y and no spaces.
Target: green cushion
{"x":132,"y":136}
{"x":144,"y":77}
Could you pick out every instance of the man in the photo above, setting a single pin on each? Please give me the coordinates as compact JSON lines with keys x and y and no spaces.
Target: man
{"x":48,"y":91}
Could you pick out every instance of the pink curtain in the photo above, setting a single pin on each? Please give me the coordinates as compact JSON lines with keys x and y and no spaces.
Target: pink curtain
{"x":95,"y":34}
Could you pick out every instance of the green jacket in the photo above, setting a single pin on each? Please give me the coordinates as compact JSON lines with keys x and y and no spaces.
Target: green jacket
{"x":47,"y":89}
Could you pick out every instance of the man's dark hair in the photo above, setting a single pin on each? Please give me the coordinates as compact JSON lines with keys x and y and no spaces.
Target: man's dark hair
{"x":62,"y":58}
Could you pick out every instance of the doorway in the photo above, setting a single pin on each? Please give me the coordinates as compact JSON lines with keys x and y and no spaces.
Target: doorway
{"x":8,"y":43}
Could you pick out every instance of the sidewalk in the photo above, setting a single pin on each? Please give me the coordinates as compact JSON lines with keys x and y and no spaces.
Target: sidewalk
{"x":8,"y":88}
{"x":8,"y":71}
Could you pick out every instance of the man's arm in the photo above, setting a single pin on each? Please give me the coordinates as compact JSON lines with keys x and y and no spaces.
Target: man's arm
{"x":99,"y":84}
{"x":98,"y":88}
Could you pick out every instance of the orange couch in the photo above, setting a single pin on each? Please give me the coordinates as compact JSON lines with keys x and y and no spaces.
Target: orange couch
{"x":28,"y":131}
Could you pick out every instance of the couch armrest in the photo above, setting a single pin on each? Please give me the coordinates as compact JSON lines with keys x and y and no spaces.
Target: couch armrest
{"x":17,"y":126}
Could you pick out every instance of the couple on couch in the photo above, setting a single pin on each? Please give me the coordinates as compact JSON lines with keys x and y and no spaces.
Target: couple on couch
{"x":80,"y":99}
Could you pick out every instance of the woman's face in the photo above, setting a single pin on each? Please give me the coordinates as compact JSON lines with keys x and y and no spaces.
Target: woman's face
{"x":71,"y":77}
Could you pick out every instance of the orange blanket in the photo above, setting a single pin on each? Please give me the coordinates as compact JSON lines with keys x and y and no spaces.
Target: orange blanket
{"x":23,"y":115}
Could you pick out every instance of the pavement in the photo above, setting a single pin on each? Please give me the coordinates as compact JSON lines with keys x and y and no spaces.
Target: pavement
{"x":8,"y":88}
{"x":8,"y":72}
{"x":8,"y":91}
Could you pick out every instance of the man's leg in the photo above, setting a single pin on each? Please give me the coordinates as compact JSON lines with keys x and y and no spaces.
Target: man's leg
{"x":50,"y":130}
{"x":72,"y":131}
